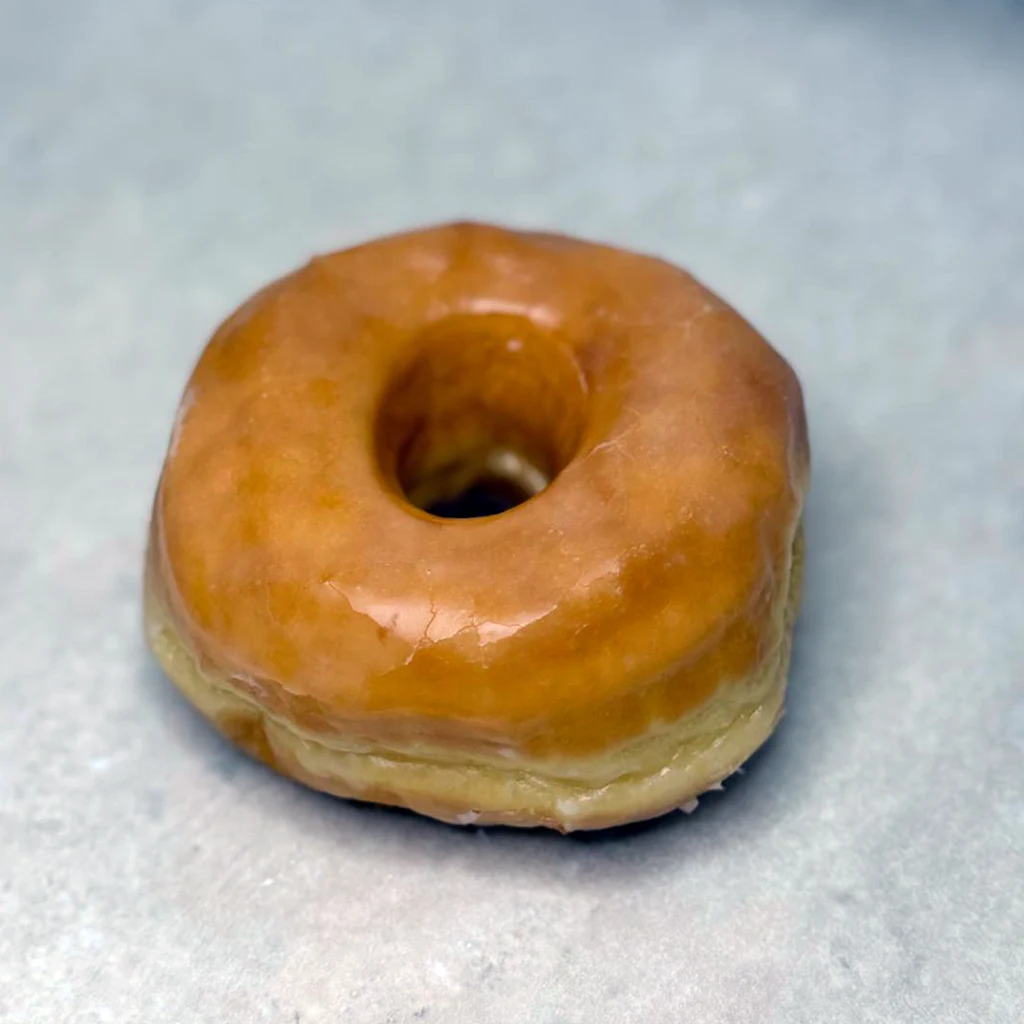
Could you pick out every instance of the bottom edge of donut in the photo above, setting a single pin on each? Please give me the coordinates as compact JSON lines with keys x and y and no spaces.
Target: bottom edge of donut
{"x":707,"y":745}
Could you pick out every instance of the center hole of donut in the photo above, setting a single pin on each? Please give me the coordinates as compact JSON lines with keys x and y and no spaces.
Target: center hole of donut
{"x":484,"y":416}
{"x":473,"y":490}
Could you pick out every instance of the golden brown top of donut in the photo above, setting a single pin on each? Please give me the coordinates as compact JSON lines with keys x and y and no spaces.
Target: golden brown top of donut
{"x":626,"y":592}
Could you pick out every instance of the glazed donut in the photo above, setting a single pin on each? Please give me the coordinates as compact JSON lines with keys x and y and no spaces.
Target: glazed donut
{"x":609,"y":642}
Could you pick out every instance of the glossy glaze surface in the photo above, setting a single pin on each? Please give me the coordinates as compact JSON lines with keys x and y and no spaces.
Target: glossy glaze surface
{"x":641,"y":580}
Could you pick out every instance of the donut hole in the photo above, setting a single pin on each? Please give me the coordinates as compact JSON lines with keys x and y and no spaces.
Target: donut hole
{"x":485,"y":415}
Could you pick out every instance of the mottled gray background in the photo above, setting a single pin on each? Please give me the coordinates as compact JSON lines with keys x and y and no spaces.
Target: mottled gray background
{"x":851,"y":176}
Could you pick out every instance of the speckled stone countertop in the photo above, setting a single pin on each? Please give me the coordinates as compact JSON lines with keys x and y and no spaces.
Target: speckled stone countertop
{"x":850,"y":176}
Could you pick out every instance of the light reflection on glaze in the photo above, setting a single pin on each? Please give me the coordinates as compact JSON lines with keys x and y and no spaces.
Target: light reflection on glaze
{"x":419,"y":623}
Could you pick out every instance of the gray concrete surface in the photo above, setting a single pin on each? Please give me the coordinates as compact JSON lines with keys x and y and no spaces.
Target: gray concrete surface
{"x":851,"y":176}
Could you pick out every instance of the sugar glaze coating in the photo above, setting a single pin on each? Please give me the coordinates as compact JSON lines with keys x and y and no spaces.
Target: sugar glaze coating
{"x":604,"y":651}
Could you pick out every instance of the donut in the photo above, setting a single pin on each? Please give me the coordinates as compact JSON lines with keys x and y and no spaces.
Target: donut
{"x":500,"y":527}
